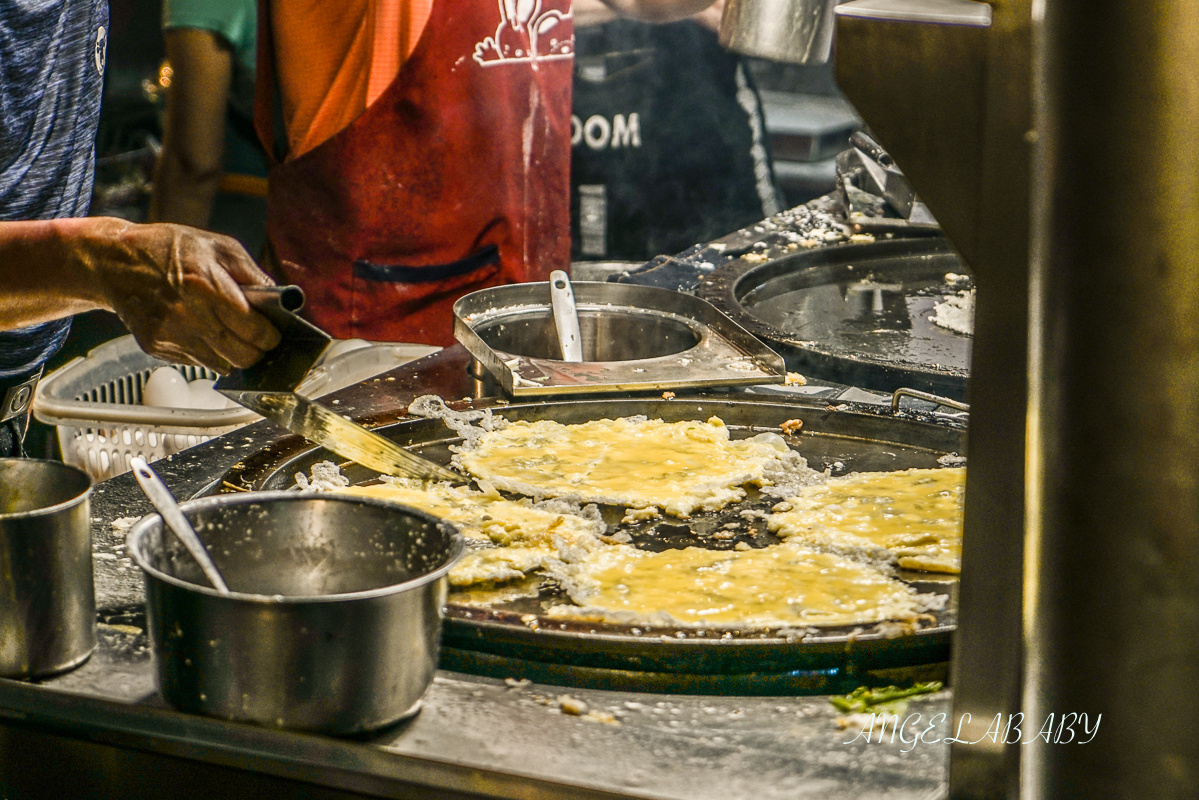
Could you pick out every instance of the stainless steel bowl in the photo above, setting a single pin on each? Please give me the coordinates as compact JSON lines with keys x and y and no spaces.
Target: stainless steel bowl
{"x":334,"y":619}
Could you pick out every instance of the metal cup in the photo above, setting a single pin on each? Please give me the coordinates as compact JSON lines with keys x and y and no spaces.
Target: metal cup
{"x":797,"y":31}
{"x":47,"y":600}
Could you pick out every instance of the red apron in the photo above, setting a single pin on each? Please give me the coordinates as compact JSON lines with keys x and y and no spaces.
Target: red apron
{"x":455,"y":179}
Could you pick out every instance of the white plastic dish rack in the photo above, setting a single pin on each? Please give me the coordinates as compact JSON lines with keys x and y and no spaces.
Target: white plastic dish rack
{"x":96,"y":402}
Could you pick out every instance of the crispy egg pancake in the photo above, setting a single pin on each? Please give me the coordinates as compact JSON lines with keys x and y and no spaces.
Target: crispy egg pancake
{"x":781,"y":586}
{"x":680,"y":467}
{"x":912,"y":517}
{"x":509,"y":538}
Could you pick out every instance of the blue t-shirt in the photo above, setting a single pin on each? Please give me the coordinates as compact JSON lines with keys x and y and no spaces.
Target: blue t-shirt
{"x":52,"y":56}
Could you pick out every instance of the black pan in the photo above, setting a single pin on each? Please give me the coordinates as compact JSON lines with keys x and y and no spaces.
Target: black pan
{"x":513,"y":639}
{"x":857,"y":314}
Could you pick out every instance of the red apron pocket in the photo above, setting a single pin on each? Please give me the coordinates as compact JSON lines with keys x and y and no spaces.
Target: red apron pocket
{"x":414,"y":303}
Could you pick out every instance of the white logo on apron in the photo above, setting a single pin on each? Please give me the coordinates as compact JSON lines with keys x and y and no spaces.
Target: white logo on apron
{"x":101,"y":49}
{"x":525,"y":34}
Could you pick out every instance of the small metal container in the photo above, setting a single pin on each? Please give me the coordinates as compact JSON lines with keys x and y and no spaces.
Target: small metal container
{"x":798,"y":31}
{"x":47,"y":600}
{"x":334,"y":620}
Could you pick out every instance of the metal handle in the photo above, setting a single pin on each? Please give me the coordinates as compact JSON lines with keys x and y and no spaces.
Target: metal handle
{"x":898,"y":395}
{"x":300,"y":346}
{"x":287,"y":298}
{"x":566,"y":316}
{"x":860,"y":140}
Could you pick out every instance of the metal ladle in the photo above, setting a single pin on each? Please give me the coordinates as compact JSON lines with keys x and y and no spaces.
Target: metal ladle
{"x":566,"y":316}
{"x":164,"y":503}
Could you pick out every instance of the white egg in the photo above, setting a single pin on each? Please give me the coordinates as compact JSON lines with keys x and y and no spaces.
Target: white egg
{"x":203,"y":396}
{"x":166,"y":388}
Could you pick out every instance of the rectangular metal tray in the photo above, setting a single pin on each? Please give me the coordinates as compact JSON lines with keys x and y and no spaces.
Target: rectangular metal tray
{"x":635,"y":338}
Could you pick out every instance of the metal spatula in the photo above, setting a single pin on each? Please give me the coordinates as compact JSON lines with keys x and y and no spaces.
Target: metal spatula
{"x":268,"y":388}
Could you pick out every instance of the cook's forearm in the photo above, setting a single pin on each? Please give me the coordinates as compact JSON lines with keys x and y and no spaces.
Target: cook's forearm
{"x":44,"y":273}
{"x":658,"y":10}
{"x":177,"y":289}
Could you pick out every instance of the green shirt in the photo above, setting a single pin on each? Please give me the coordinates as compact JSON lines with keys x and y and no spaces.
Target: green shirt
{"x":235,"y":20}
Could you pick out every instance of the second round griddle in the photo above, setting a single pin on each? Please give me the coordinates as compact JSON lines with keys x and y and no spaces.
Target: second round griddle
{"x":857,"y":314}
{"x":515,"y":638}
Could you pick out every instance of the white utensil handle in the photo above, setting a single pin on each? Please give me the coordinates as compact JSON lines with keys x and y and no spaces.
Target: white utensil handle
{"x":566,"y":317}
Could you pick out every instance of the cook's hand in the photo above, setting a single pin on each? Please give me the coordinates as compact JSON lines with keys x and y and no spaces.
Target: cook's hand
{"x":178,"y":291}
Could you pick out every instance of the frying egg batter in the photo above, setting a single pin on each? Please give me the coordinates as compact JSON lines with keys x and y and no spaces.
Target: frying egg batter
{"x":678,"y":466}
{"x":781,"y":586}
{"x":516,"y":537}
{"x":915,"y":514}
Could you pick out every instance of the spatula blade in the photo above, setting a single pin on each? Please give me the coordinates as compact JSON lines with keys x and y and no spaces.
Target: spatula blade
{"x":334,"y":432}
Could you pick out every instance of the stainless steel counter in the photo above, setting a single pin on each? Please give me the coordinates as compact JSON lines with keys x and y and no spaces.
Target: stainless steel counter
{"x":474,"y":736}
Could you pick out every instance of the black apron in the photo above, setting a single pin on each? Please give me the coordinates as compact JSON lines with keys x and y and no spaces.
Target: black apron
{"x":668,"y":146}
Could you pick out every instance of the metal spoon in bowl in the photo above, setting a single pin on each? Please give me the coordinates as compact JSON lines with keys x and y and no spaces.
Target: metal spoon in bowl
{"x":164,"y":503}
{"x":566,"y":316}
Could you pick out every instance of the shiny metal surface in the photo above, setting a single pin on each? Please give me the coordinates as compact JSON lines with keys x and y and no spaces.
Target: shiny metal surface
{"x":284,"y":367}
{"x":47,"y":602}
{"x":1112,"y":619}
{"x":334,"y":620}
{"x":950,"y":101}
{"x":921,"y":88}
{"x":634,"y":338}
{"x":268,"y":387}
{"x":474,"y":736}
{"x":889,"y":202}
{"x":798,"y":31}
{"x":331,"y":430}
{"x":988,"y":647}
{"x":930,"y":12}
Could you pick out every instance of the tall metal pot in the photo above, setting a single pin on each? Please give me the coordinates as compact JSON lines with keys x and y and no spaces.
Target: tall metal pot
{"x":47,"y":599}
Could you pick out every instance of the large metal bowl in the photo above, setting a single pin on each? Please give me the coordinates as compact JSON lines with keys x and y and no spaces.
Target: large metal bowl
{"x":335,"y":614}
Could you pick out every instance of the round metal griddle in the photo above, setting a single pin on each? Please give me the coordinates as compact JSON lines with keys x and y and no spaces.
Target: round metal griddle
{"x":858,"y":314}
{"x":514,"y":638}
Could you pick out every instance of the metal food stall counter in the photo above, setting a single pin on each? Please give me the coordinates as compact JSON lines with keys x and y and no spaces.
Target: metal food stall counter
{"x":103,"y":731}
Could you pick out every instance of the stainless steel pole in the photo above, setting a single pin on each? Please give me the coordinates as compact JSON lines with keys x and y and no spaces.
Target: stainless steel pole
{"x":1112,"y":557}
{"x":944,"y":84}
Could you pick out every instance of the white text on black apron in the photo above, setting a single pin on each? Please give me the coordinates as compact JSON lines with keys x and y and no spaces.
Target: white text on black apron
{"x":600,"y":133}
